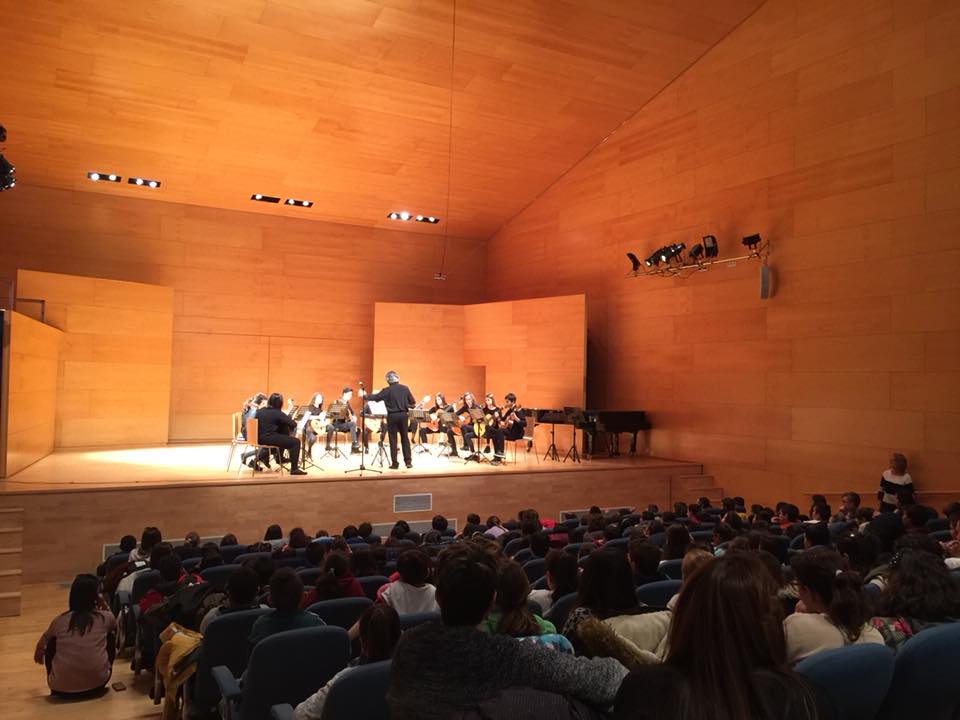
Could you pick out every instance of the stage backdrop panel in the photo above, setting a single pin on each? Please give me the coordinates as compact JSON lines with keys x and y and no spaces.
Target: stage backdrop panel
{"x":535,"y":348}
{"x":114,"y":368}
{"x":34,"y":354}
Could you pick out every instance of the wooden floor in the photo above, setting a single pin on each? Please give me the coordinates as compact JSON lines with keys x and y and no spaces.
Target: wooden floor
{"x":23,"y":689}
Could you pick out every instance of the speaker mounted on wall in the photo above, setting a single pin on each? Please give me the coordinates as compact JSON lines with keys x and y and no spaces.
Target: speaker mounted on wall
{"x":766,"y":282}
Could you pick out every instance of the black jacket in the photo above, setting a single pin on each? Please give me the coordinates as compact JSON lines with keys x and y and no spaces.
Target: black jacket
{"x":272,"y":421}
{"x":396,"y":397}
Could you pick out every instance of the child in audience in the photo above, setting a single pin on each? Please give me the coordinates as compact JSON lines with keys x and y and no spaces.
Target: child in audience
{"x":286,"y":591}
{"x":919,"y":593}
{"x":562,"y":579}
{"x":274,"y":536}
{"x":336,"y":582}
{"x":77,"y":648}
{"x":379,"y":631}
{"x":242,"y":594}
{"x":172,"y":578}
{"x":677,"y":542}
{"x":726,"y":657}
{"x":150,"y":537}
{"x":695,"y":559}
{"x":645,"y":558}
{"x":510,"y":615}
{"x":209,"y":557}
{"x":832,"y":611}
{"x":411,"y":593}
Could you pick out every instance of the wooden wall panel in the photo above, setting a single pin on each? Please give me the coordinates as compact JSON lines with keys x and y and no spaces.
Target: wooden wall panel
{"x":114,"y":369}
{"x":31,"y":391}
{"x":260,"y":303}
{"x":831,"y":129}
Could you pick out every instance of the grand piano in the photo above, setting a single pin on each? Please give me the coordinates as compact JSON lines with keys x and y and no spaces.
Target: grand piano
{"x":600,"y":429}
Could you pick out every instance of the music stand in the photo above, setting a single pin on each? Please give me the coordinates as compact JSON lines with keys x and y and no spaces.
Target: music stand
{"x":576,"y":418}
{"x":553,"y":417}
{"x":306,"y":457}
{"x":335,"y":413}
{"x":363,"y":428}
{"x":446,"y":420}
{"x":476,"y":414}
{"x":420,"y":416}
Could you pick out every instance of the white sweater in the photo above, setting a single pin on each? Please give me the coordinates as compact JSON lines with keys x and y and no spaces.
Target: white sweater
{"x":809,"y":633}
{"x":407,"y":599}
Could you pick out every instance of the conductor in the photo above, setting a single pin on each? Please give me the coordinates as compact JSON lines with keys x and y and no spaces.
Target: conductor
{"x":398,"y":400}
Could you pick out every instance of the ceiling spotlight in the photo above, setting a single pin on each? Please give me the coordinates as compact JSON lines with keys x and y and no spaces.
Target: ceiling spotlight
{"x":427,"y":219}
{"x":751,"y":241}
{"x":394,"y":216}
{"x":112,"y":177}
{"x":153,"y":183}
{"x":635,"y":261}
{"x":301,"y":203}
{"x":93,"y":176}
{"x":290,"y":202}
{"x":138,"y":181}
{"x":432,"y":219}
{"x":419,"y":218}
{"x":98,"y":176}
{"x":307,"y":203}
{"x":258,"y":196}
{"x":669,"y":252}
{"x":264,"y":198}
{"x":710,"y":246}
{"x":404,"y":215}
{"x":141,"y":182}
{"x":695,"y":252}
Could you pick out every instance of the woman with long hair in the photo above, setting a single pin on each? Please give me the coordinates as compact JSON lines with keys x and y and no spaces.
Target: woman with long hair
{"x":832,"y":611}
{"x":511,"y":615}
{"x":727,"y":654}
{"x":77,"y":648}
{"x":562,"y":576}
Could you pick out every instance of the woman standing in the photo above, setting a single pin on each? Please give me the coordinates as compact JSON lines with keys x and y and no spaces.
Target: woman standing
{"x":896,"y":485}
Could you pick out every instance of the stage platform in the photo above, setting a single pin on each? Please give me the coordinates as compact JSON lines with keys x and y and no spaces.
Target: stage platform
{"x":74,"y":502}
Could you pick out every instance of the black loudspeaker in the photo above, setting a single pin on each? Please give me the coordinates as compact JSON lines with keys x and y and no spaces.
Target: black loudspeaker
{"x":766,"y":282}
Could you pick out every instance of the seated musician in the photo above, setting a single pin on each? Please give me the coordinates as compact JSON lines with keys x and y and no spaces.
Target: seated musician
{"x":348,"y":424}
{"x":275,"y":428}
{"x":413,"y":428}
{"x":313,"y":411}
{"x":466,"y":422}
{"x":491,"y":416}
{"x":440,"y":404}
{"x":249,"y":411}
{"x":513,"y":420}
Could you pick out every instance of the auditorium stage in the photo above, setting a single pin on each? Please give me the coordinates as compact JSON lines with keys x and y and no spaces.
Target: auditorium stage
{"x":77,"y":501}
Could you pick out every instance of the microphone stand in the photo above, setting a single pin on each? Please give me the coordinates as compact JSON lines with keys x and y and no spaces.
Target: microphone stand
{"x":363,"y":436}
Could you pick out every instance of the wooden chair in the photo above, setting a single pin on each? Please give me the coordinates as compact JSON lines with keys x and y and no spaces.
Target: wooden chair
{"x":253,"y":430}
{"x":236,"y":437}
{"x":525,"y":439}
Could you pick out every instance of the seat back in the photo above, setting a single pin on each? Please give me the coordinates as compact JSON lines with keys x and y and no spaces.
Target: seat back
{"x":253,"y":430}
{"x":290,"y":666}
{"x":229,"y":553}
{"x":342,"y":612}
{"x":702,"y":536}
{"x":372,"y":583}
{"x":411,"y":620}
{"x":840,"y":673}
{"x":236,"y":421}
{"x":557,"y":614}
{"x":218,"y":575}
{"x":657,"y":539}
{"x":657,"y":594}
{"x":143,"y":583}
{"x":310,"y":575}
{"x":224,"y":643}
{"x":620,"y":543}
{"x":514,"y":546}
{"x":243,"y":557}
{"x":535,"y":569}
{"x":360,"y":693}
{"x":926,"y":675}
{"x":673,"y":569}
{"x":523,"y":554}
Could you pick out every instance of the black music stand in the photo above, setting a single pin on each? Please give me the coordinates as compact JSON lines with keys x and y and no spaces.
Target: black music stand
{"x":335,"y":413}
{"x":476,"y":415}
{"x":306,"y":457}
{"x":363,"y":429}
{"x":447,"y":420}
{"x":420,"y":416}
{"x":553,"y":417}
{"x":576,"y":418}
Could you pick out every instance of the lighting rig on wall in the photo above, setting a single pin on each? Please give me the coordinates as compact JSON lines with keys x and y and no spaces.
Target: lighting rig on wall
{"x":669,"y":260}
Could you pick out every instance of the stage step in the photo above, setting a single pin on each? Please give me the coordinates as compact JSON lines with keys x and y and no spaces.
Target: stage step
{"x":11,"y":517}
{"x":10,"y":558}
{"x":10,"y":580}
{"x":11,"y":537}
{"x":687,"y":488}
{"x":9,"y":604}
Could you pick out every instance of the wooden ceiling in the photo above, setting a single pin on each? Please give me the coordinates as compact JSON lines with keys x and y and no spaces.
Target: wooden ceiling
{"x":342,"y":102}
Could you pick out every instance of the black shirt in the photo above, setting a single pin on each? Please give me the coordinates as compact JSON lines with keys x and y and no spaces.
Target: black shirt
{"x":273,"y":421}
{"x":396,"y":397}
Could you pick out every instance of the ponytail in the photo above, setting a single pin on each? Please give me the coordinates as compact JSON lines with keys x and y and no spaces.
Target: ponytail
{"x":847,"y":608}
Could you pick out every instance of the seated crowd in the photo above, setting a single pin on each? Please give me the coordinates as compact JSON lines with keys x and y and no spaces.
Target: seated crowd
{"x":649,"y":614}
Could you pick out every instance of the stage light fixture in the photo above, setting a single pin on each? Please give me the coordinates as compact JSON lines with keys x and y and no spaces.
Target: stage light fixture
{"x":635,"y":261}
{"x":143,"y":182}
{"x":259,"y":197}
{"x":751,"y":241}
{"x":301,"y":203}
{"x":695,"y":252}
{"x":105,"y":177}
{"x":710,"y":248}
{"x":428,"y":219}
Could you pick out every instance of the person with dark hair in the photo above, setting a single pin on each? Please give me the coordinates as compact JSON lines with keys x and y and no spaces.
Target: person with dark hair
{"x":607,"y":592}
{"x":820,"y":513}
{"x":274,"y":535}
{"x":562,"y":576}
{"x":677,"y":543}
{"x":915,"y":518}
{"x":209,"y":557}
{"x":365,"y":530}
{"x":124,"y":582}
{"x":951,"y":548}
{"x":722,"y":533}
{"x":379,"y":632}
{"x":363,"y":564}
{"x":510,"y":615}
{"x":243,"y":589}
{"x":887,"y":527}
{"x":275,"y":427}
{"x":150,"y":537}
{"x":850,"y":504}
{"x":228,"y":540}
{"x":263,"y":567}
{"x":439,"y":523}
{"x":539,"y":544}
{"x":172,"y":578}
{"x":832,"y":611}
{"x":726,"y":654}
{"x":336,"y":582}
{"x":443,"y":669}
{"x":350,"y":532}
{"x":473,"y":519}
{"x":815,"y":535}
{"x":128,"y":543}
{"x":645,"y":558}
{"x":286,"y":591}
{"x":787,"y":515}
{"x":411,"y":593}
{"x":896,"y":485}
{"x":398,"y":399}
{"x":315,"y":554}
{"x":815,"y":500}
{"x":919,"y":593}
{"x":860,"y":550}
{"x":77,"y":647}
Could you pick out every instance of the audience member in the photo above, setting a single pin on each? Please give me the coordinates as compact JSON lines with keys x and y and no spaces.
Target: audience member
{"x":816,"y":534}
{"x":896,"y":485}
{"x":695,"y":559}
{"x":274,"y":536}
{"x":740,"y":672}
{"x":848,"y":509}
{"x":209,"y":557}
{"x":336,"y":582}
{"x":242,"y":593}
{"x":172,"y":578}
{"x":832,"y":611}
{"x":228,"y":540}
{"x":510,"y":615}
{"x":677,"y":543}
{"x":644,"y":558}
{"x":411,"y":593}
{"x":379,"y":632}
{"x":441,"y":669}
{"x":150,"y":537}
{"x":362,"y":564}
{"x":562,"y":576}
{"x":315,"y":554}
{"x":286,"y":591}
{"x":494,"y":527}
{"x":77,"y":648}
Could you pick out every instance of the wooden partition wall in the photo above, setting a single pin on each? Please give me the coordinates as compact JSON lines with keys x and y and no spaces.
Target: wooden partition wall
{"x":534,"y":348}
{"x":833,"y":130}
{"x":30,"y":387}
{"x":114,"y":368}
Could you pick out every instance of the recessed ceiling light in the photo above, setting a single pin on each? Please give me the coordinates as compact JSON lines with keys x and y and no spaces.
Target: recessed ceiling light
{"x":98,"y":176}
{"x":405,"y":216}
{"x":93,"y":176}
{"x":301,"y":203}
{"x":144,"y":182}
{"x":428,"y":219}
{"x":264,"y":198}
